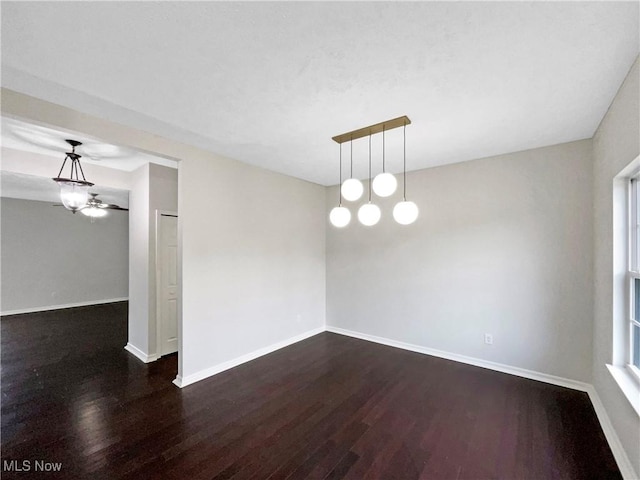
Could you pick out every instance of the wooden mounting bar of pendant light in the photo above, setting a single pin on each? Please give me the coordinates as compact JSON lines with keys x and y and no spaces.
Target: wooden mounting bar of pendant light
{"x":372,"y":129}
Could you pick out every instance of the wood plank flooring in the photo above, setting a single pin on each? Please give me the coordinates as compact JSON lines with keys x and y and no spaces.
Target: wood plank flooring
{"x":328,"y":407}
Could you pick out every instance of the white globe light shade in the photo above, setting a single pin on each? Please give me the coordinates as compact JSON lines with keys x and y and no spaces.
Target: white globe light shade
{"x":340,"y":217}
{"x":352,"y":189}
{"x":405,"y":212}
{"x":73,"y":195}
{"x":369,"y":214}
{"x":94,"y":212}
{"x":384,"y":184}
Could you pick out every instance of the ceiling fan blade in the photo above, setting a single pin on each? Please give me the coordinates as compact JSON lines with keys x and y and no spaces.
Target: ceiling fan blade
{"x":95,"y":203}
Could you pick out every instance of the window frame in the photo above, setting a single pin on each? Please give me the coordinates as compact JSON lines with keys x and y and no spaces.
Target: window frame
{"x":633,"y":272}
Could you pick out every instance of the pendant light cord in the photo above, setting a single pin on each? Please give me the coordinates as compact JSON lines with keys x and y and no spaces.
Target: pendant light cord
{"x":351,"y":143}
{"x":383,"y":148}
{"x":369,"y":167}
{"x":404,"y":161}
{"x":340,"y":184}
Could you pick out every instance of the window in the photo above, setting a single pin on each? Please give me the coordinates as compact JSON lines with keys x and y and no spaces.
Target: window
{"x":633,"y":328}
{"x":625,"y":314}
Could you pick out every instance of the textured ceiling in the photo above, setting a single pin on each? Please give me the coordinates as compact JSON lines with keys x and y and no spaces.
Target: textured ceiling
{"x":270,"y":83}
{"x":27,"y":137}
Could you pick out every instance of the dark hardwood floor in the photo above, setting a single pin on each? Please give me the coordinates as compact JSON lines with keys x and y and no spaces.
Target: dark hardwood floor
{"x":327,"y":407}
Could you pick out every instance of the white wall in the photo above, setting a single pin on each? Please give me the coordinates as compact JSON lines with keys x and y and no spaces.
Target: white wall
{"x":139,"y":227}
{"x":51,"y":257}
{"x":253,"y":259}
{"x":502,"y":246}
{"x":153,"y":187}
{"x":615,"y":144}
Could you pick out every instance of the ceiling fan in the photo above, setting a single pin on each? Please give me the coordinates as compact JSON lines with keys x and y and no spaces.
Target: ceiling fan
{"x":96,"y":208}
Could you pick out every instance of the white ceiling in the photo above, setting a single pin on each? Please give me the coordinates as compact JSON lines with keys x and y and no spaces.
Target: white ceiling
{"x":27,"y":137}
{"x":32,"y":187}
{"x":270,"y":83}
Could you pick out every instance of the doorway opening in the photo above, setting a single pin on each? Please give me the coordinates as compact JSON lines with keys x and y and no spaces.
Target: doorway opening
{"x":32,"y":149}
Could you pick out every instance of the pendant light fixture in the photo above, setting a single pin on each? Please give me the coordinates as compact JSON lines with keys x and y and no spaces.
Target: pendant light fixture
{"x":405,"y":212}
{"x":352,"y":187}
{"x":369,"y":213}
{"x":340,"y":216}
{"x":74,"y":193}
{"x":385,"y":184}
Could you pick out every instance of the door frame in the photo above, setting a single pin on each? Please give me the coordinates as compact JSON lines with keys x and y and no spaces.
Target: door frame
{"x":158,"y":215}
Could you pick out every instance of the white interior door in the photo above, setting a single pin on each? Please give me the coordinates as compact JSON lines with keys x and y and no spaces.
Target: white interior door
{"x":168,"y":278}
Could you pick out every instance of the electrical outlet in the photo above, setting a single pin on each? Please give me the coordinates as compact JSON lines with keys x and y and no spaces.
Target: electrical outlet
{"x":488,"y":339}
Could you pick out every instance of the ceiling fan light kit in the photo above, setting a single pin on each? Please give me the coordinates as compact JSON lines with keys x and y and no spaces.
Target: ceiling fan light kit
{"x":74,"y":192}
{"x":94,"y":212}
{"x":95,"y":208}
{"x":383,"y":185}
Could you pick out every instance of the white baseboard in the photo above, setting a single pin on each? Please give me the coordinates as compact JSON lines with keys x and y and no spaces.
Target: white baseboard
{"x":178,"y":381}
{"x":221,"y":367}
{"x":140,"y":354}
{"x":624,"y":464}
{"x":498,"y":367}
{"x":60,"y":307}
